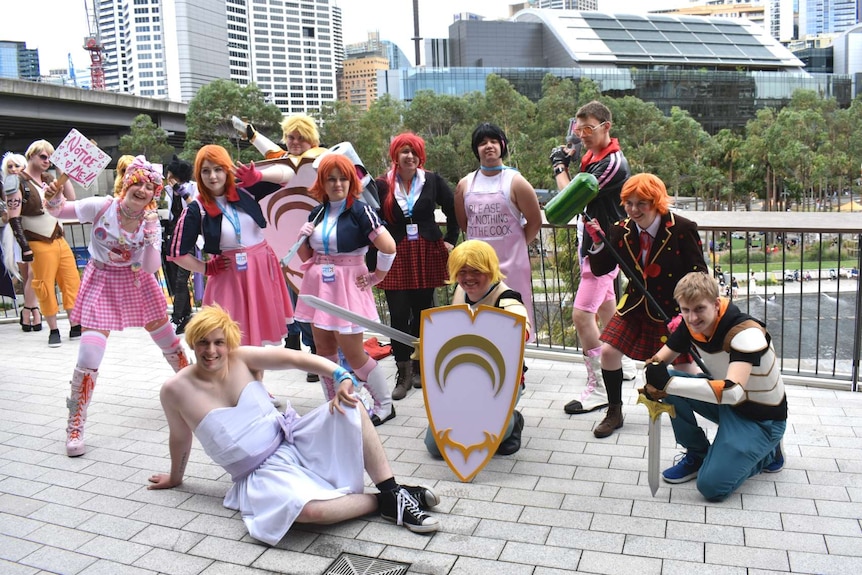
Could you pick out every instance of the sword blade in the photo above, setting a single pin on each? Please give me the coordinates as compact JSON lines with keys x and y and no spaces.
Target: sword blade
{"x":654,"y":454}
{"x":655,"y":409}
{"x":363,"y":321}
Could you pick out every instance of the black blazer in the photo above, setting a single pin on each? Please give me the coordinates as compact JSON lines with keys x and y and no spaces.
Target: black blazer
{"x":676,"y":250}
{"x":435,"y":192}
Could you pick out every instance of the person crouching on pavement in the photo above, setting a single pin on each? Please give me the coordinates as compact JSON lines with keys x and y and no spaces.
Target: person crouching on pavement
{"x":744,"y":394}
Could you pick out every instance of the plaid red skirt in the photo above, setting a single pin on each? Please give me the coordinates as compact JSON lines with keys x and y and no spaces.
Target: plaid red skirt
{"x":418,"y":264}
{"x":638,"y":336}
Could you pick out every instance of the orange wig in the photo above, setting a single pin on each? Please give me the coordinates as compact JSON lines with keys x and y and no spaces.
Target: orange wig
{"x":219,"y":156}
{"x":328,"y":163}
{"x":646,"y":187}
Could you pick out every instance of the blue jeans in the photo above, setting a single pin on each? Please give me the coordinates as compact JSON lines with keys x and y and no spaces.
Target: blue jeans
{"x":742,"y":447}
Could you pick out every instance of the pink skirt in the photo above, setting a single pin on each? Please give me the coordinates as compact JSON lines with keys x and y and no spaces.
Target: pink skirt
{"x":114,"y":298}
{"x":256,"y":298}
{"x":342,"y":291}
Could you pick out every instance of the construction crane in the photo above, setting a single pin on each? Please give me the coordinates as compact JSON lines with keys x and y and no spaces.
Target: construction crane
{"x":93,"y":45}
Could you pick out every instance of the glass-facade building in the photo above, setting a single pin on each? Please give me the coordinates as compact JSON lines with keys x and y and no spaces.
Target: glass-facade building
{"x":721,"y":71}
{"x":16,"y":61}
{"x":818,"y":17}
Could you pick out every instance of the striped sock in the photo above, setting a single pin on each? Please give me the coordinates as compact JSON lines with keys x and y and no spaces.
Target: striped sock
{"x":165,"y":338}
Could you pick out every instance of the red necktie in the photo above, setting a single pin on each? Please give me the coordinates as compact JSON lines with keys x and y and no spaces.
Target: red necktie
{"x":646,"y":244}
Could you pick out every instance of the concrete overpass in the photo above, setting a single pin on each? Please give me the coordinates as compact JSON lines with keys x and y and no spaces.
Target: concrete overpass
{"x":35,"y":110}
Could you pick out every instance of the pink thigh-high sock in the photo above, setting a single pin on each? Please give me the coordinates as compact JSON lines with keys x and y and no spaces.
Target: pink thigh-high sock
{"x":91,"y":349}
{"x":327,"y":383}
{"x":166,"y":339}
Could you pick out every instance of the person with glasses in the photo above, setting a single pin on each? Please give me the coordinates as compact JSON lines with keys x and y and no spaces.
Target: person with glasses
{"x":660,"y":247}
{"x":40,"y":236}
{"x":595,"y":300}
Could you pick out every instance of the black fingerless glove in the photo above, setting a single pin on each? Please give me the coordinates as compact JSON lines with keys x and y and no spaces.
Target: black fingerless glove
{"x":656,"y":374}
{"x":559,"y":156}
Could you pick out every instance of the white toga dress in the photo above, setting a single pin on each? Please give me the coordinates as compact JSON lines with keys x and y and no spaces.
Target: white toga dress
{"x":293,"y":459}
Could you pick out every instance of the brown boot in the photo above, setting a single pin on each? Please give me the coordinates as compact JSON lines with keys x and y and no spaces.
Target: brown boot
{"x":613,"y":420}
{"x":416,"y":378}
{"x":402,"y":380}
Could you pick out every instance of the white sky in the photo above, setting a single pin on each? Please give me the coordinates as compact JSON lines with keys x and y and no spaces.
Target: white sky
{"x":58,"y":27}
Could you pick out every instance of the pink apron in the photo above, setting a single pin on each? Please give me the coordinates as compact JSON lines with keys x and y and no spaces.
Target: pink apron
{"x":491,"y":217}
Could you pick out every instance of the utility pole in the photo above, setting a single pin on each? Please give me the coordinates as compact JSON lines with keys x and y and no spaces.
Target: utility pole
{"x":417,"y":40}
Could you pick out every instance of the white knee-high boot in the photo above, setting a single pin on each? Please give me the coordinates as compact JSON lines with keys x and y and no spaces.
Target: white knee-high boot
{"x":595,"y":395}
{"x":375,"y":381}
{"x":83,"y":382}
{"x":630,"y":370}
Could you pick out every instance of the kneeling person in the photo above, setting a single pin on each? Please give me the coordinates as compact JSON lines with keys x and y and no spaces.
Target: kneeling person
{"x":474,"y":266}
{"x":746,"y":399}
{"x":286,"y":468}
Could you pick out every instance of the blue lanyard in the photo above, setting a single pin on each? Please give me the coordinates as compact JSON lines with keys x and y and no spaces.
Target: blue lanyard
{"x":411,"y":198}
{"x":326,"y":228}
{"x":233,"y":217}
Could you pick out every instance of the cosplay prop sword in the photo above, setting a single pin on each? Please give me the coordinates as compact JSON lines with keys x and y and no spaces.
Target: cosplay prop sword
{"x":339,"y":311}
{"x":655,"y":409}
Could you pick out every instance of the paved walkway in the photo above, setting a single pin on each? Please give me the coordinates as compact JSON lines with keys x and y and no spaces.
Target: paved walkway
{"x":565,"y":503}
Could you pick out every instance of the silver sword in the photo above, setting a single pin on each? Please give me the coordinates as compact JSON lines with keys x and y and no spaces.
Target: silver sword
{"x":380,"y":328}
{"x":655,"y":408}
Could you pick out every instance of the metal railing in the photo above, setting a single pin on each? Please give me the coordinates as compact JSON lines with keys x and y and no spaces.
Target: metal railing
{"x":798,"y":272}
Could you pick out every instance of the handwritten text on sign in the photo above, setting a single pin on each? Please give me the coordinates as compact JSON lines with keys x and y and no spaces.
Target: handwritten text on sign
{"x":79,"y":158}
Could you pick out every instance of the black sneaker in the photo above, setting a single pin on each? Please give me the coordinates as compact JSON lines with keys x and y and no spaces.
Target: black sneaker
{"x":54,"y":338}
{"x":75,"y":331}
{"x":312,"y":377}
{"x":377,"y":421}
{"x":400,"y":507}
{"x":427,"y":499}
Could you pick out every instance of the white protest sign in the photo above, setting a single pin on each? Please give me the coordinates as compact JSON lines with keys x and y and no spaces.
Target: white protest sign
{"x":79,"y":159}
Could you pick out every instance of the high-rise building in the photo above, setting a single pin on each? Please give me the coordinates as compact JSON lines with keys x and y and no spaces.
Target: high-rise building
{"x":17,"y":61}
{"x":818,"y":17}
{"x":359,"y":79}
{"x":170,"y":48}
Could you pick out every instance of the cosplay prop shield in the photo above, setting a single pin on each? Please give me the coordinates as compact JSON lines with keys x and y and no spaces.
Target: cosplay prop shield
{"x":655,"y":408}
{"x":471,"y":371}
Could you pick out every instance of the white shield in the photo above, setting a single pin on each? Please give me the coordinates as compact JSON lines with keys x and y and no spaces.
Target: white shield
{"x":471,"y":373}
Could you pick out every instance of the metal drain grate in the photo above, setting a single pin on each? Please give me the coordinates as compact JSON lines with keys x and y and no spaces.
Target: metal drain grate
{"x":350,"y":564}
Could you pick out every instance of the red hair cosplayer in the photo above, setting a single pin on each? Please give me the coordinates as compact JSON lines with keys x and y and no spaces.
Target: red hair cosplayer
{"x":344,"y":165}
{"x":649,"y":187}
{"x":415,"y":143}
{"x":217,"y":155}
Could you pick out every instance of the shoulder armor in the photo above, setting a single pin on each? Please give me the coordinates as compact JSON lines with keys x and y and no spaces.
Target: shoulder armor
{"x":749,"y":340}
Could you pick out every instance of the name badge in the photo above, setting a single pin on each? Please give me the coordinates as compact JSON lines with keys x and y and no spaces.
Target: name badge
{"x":241,"y":261}
{"x":327,"y":272}
{"x":412,"y":231}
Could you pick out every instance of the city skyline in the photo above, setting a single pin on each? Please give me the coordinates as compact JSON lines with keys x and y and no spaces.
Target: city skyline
{"x":62,"y":32}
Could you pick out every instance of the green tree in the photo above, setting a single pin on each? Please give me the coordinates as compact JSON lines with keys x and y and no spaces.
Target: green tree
{"x":208,"y":118}
{"x":146,"y":138}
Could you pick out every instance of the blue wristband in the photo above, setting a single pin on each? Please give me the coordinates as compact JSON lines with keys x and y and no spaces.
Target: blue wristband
{"x":340,"y":374}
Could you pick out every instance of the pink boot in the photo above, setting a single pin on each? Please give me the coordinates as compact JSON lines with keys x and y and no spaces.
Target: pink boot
{"x":594,"y":396}
{"x":177,"y":359}
{"x":83,"y":382}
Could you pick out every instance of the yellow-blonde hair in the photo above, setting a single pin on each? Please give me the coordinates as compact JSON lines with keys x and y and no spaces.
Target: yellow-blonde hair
{"x":649,"y":187}
{"x":302,"y":124}
{"x":39,"y":146}
{"x":694,"y":287}
{"x":210,"y":318}
{"x":122,"y":165}
{"x":475,"y":254}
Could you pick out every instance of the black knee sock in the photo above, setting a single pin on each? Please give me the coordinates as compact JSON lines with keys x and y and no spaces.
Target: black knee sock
{"x":387,"y":485}
{"x":614,"y":384}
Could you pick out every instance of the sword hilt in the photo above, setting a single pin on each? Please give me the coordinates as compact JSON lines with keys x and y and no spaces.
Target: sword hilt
{"x":656,"y":408}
